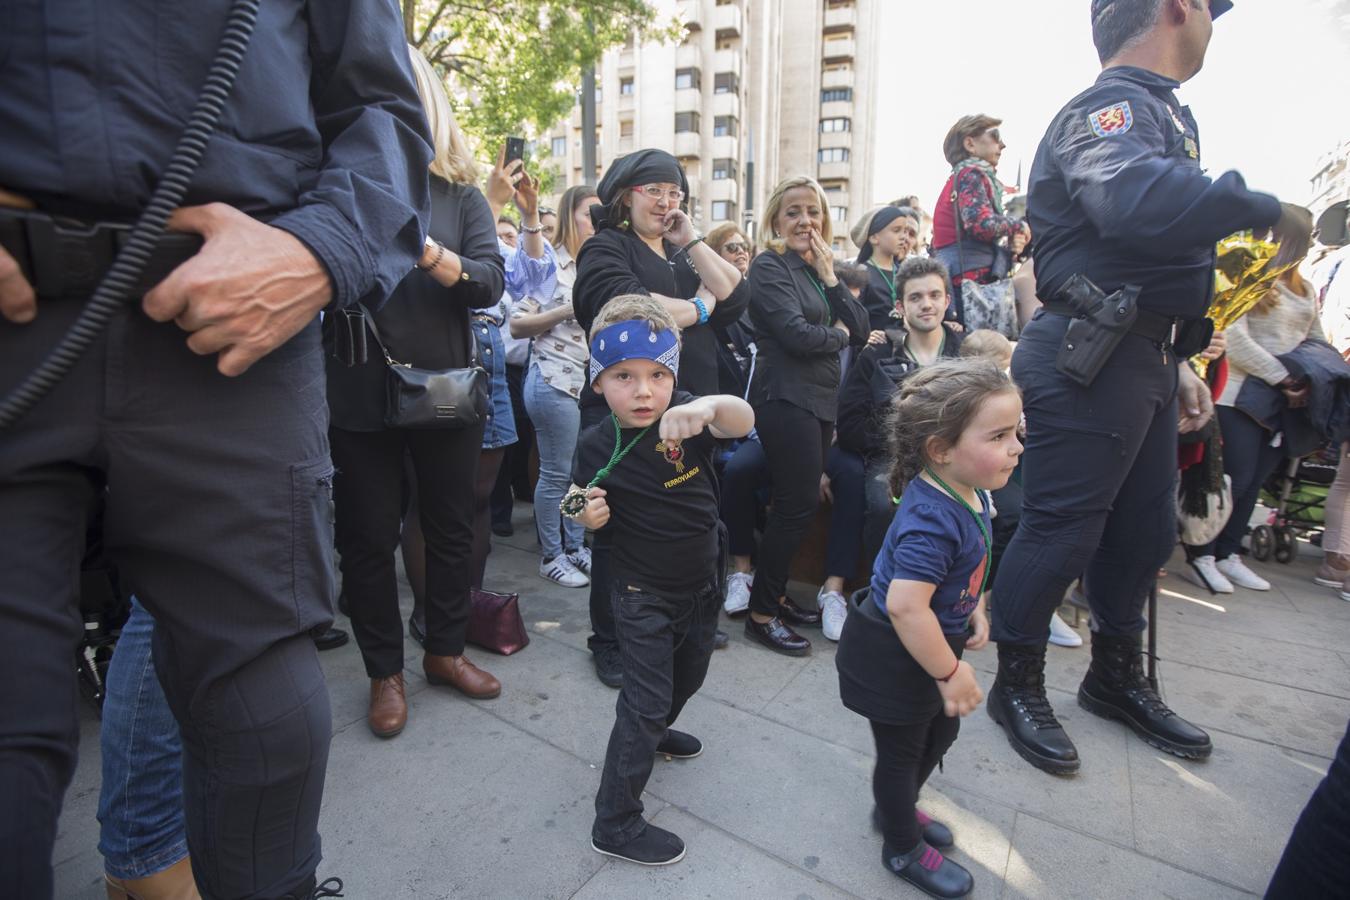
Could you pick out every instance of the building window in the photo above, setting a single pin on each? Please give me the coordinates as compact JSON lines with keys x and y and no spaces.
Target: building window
{"x":723,"y":211}
{"x":559,"y":146}
{"x":724,"y":126}
{"x":726,"y":83}
{"x":723,"y":168}
{"x":626,"y":128}
{"x":833,"y":187}
{"x":626,"y":85}
{"x":832,"y":125}
{"x":834,"y":95}
{"x":832,"y":154}
{"x":686,"y":121}
{"x":725,"y":43}
{"x":686,"y":78}
{"x":839,"y":213}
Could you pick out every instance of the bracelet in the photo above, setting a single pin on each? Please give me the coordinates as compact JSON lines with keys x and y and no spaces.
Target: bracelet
{"x":528,"y":230}
{"x":436,"y":261}
{"x":951,"y":673}
{"x":702,"y":309}
{"x":690,"y":246}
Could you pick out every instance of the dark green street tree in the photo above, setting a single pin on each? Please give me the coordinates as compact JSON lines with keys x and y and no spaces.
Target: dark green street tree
{"x":518,"y":63}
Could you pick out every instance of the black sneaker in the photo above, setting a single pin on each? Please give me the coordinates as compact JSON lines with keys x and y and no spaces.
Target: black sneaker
{"x":678,"y":745}
{"x":608,"y":666}
{"x":652,"y":847}
{"x":929,"y":871}
{"x":331,"y":887}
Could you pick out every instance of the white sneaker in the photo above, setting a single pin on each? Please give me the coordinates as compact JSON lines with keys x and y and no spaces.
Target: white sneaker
{"x":560,"y":570}
{"x":1204,"y":572}
{"x":1062,"y":635}
{"x":581,"y":560}
{"x":833,"y":612}
{"x":1239,"y":574}
{"x":738,"y":592}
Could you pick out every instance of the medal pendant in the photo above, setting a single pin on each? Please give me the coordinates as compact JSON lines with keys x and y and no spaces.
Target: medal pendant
{"x":573,"y":503}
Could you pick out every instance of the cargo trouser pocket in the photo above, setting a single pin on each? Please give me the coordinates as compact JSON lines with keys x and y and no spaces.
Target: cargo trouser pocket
{"x":312,"y":556}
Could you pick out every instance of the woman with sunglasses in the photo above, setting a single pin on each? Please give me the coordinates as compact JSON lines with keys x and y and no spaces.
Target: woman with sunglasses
{"x":645,"y":243}
{"x":977,"y":246}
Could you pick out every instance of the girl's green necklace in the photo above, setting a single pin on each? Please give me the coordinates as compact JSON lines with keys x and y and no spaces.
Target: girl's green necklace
{"x":979,"y":520}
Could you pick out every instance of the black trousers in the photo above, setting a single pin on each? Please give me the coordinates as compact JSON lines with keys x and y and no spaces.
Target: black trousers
{"x":1316,"y":861}
{"x":513,"y":480}
{"x":665,"y":643}
{"x":906,"y":756}
{"x":746,"y":474}
{"x":795,"y":443}
{"x":219,"y":519}
{"x":1248,"y":459}
{"x":369,"y":512}
{"x":1099,"y":486}
{"x":861,"y":513}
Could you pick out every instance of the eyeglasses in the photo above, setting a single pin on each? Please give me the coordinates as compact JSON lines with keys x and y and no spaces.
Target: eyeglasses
{"x":735,"y":247}
{"x":656,"y":192}
{"x":993,"y":133}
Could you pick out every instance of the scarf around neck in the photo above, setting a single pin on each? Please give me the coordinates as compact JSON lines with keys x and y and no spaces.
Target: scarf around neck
{"x":987,"y":168}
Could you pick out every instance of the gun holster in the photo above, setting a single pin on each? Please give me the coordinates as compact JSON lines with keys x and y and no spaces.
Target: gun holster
{"x":1099,"y":324}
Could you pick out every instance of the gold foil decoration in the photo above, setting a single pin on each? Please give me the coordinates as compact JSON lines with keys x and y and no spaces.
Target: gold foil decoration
{"x":1242,"y":276}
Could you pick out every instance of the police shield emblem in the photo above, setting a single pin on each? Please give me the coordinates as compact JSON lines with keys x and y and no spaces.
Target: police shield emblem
{"x":1112,"y":120}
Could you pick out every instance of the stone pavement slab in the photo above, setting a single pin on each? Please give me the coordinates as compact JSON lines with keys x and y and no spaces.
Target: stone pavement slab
{"x":494,"y":799}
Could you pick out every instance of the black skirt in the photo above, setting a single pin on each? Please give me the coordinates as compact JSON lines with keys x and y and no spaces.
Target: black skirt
{"x":878,"y":678}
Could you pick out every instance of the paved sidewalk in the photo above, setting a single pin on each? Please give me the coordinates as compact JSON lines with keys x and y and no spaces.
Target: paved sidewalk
{"x":494,"y":799}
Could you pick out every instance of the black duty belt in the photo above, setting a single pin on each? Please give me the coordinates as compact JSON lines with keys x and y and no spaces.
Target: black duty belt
{"x":67,"y":258}
{"x":1157,"y":328}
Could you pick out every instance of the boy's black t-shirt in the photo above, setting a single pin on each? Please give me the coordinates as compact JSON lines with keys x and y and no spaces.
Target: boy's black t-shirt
{"x":662,"y":504}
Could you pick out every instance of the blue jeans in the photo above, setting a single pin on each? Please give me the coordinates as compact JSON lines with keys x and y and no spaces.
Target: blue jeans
{"x":499,"y":426}
{"x":140,"y":806}
{"x":557,"y":419}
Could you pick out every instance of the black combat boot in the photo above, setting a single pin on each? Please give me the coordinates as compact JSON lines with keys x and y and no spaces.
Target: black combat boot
{"x":1115,"y":688}
{"x":1017,"y":701}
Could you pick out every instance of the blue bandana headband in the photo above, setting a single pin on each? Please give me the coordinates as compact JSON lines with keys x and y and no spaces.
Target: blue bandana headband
{"x":634,"y":339}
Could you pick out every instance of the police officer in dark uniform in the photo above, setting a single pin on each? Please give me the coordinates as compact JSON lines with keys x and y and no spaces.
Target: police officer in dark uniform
{"x":1125,"y":222}
{"x":201,"y":408}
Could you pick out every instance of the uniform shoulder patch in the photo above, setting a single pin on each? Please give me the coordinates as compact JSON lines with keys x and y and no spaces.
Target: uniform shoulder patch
{"x":1113,"y":120}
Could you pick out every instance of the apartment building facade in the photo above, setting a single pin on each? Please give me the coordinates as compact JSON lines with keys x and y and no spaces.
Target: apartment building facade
{"x":758,"y":90}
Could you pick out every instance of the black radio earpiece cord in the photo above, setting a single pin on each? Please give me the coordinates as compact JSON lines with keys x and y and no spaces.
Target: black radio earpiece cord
{"x":126,"y":270}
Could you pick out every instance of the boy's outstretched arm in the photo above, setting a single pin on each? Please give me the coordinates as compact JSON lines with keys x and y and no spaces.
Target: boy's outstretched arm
{"x":724,"y":415}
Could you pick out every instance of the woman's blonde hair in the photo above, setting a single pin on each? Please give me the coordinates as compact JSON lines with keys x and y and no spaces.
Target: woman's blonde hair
{"x":938,"y":402}
{"x":775,"y":206}
{"x":568,"y":237}
{"x":1293,"y":250}
{"x":452,"y":159}
{"x":634,"y":306}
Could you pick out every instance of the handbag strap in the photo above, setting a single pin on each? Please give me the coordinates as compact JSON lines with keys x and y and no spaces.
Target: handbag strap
{"x":389,"y":360}
{"x":956,"y":223}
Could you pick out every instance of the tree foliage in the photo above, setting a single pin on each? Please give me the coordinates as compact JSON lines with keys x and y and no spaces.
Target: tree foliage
{"x":514,"y":66}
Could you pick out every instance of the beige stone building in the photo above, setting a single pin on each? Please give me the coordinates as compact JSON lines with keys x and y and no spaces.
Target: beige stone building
{"x":758,"y":90}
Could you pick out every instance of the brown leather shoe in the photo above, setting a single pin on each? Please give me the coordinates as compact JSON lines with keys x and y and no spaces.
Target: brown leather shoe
{"x":173,"y":883}
{"x":462,"y":675}
{"x":388,"y":706}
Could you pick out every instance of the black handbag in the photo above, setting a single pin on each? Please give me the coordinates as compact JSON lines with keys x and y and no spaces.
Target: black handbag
{"x":432,"y":398}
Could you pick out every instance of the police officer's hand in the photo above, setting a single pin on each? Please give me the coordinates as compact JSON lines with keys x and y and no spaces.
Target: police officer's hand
{"x":18,"y":303}
{"x":247,"y":291}
{"x":1194,"y":404}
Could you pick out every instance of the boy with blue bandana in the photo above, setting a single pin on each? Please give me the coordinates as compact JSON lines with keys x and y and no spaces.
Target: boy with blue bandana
{"x":648,"y":475}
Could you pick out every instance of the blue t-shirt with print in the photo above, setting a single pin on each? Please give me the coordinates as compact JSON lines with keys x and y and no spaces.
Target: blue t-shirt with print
{"x":935,"y":540}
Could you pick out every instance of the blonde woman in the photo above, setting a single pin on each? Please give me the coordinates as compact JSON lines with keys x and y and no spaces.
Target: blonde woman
{"x":803,"y":316}
{"x":425,"y":323}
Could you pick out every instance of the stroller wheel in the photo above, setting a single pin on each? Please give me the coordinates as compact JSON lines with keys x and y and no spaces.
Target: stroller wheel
{"x":1286,"y":547}
{"x":1263,"y":542}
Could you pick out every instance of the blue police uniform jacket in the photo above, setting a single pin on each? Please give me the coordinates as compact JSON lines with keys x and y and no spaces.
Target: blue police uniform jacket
{"x":1117,"y":193}
{"x":323,"y":134}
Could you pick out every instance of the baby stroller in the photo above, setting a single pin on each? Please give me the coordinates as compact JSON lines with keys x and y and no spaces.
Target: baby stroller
{"x":1297,"y":492}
